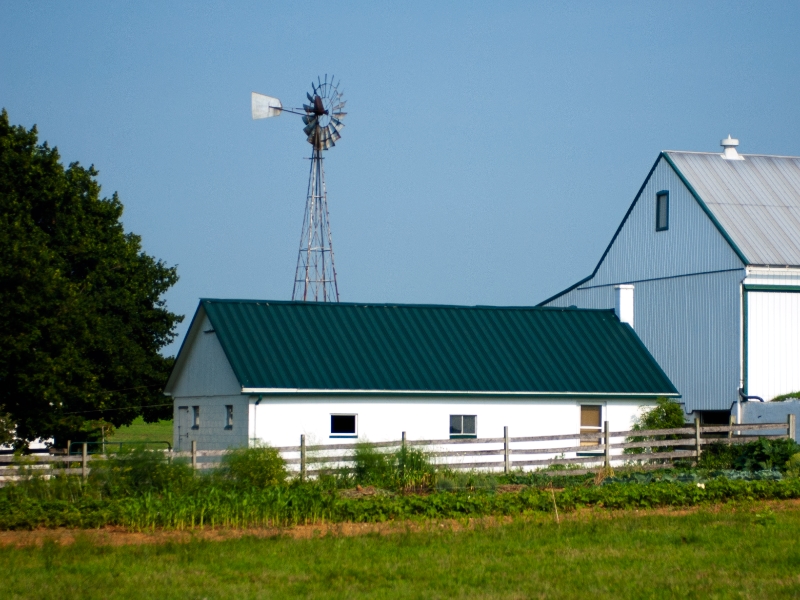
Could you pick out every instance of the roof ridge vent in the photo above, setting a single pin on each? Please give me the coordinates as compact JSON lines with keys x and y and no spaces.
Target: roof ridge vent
{"x":730,"y":149}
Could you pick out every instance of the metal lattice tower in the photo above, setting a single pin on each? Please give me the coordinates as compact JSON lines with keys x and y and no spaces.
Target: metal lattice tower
{"x":315,"y":274}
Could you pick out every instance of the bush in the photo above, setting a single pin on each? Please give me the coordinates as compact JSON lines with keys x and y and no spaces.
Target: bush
{"x":259,"y":466}
{"x":405,"y":468}
{"x":135,"y":471}
{"x":666,"y":414}
{"x":762,"y":454}
{"x":372,"y":466}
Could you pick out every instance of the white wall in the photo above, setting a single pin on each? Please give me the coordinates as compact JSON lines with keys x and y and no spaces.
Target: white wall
{"x":773,"y":343}
{"x":279,"y":421}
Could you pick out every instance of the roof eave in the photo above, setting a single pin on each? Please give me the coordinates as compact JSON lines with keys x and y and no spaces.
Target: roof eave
{"x":538,"y":394}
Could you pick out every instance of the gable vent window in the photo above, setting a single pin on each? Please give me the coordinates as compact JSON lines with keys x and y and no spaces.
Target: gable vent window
{"x":229,"y":416}
{"x":662,"y":211}
{"x":195,"y":417}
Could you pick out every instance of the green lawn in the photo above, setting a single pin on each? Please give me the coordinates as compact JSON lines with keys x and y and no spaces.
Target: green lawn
{"x":747,"y":553}
{"x":139,"y":431}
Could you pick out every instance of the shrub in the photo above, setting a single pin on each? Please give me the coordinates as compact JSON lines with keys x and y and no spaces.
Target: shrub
{"x":258,"y":466}
{"x":136,"y":470}
{"x":372,"y":466}
{"x":759,"y":455}
{"x":793,"y":466}
{"x":666,"y":414}
{"x":405,"y":468}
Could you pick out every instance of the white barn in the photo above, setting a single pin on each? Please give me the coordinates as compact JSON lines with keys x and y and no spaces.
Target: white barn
{"x":265,"y":371}
{"x":706,"y":266}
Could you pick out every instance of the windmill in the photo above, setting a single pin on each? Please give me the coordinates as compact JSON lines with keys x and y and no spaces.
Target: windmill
{"x":315,"y":275}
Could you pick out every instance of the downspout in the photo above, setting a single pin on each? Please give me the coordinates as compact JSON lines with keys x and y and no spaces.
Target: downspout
{"x":255,"y":416}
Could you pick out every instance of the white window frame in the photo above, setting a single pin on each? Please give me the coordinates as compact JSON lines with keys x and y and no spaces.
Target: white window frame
{"x":462,"y":434}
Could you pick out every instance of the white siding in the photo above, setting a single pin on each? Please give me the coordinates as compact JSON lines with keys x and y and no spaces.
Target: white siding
{"x":206,"y":379}
{"x":206,"y":370}
{"x":692,"y":244}
{"x":212,"y":433}
{"x":773,"y":343}
{"x":687,"y":303}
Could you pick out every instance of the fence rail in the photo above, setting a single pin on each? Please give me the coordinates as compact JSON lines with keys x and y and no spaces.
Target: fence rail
{"x":602,"y":453}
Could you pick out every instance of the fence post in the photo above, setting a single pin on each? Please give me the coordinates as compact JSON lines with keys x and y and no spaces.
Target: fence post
{"x":697,"y":442}
{"x":731,"y":422}
{"x":791,"y":431}
{"x":194,"y":454}
{"x":506,"y":451}
{"x":302,"y":457}
{"x":403,"y":440}
{"x":606,"y":439}
{"x":83,"y":459}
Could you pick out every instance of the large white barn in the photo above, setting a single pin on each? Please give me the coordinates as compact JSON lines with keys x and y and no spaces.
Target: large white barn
{"x":264,"y":371}
{"x":706,"y":266}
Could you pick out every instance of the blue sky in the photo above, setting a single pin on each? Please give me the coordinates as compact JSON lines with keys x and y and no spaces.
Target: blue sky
{"x":490,"y":152}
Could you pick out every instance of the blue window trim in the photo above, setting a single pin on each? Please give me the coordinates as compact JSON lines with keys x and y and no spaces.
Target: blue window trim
{"x":665,"y":195}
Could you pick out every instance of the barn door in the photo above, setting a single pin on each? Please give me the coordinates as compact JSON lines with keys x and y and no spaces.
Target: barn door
{"x":183,"y":429}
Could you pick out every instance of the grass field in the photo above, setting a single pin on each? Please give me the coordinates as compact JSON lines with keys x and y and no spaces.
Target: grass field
{"x":747,"y":552}
{"x":139,"y":431}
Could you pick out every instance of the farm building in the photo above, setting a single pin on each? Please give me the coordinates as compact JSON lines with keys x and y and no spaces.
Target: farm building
{"x":263,"y":371}
{"x":706,"y":267}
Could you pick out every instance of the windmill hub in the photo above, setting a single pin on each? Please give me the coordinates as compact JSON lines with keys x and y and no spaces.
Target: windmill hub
{"x":315,"y":275}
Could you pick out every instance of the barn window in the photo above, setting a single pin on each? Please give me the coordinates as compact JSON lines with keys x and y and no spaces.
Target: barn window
{"x":662,"y":211}
{"x":463,"y":426}
{"x":343,"y":425}
{"x":195,"y":417}
{"x":591,"y":416}
{"x":229,"y":416}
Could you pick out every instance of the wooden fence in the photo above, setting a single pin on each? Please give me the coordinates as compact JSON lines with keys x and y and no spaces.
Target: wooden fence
{"x":592,"y":451}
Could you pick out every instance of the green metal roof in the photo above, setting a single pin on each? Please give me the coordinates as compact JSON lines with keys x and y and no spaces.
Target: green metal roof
{"x":423,"y":348}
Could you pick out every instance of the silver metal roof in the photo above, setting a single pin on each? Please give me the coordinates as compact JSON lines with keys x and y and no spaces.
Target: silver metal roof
{"x":756,"y":201}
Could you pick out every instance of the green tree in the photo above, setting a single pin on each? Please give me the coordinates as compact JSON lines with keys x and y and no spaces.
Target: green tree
{"x":82,"y":319}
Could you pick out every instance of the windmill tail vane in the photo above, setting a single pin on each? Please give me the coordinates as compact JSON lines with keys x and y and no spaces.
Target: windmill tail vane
{"x":323,"y":116}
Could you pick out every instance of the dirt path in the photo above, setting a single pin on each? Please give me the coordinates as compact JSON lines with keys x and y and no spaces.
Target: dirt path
{"x":118,"y":536}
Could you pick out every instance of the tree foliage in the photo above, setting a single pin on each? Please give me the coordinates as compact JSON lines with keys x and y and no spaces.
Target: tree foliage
{"x":82,"y":317}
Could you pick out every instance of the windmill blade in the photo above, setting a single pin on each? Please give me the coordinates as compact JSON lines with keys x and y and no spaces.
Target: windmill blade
{"x":309,"y":129}
{"x":339,"y":115}
{"x":339,"y":107}
{"x":308,"y":118}
{"x":337,"y":123}
{"x":310,"y":98}
{"x":335,"y":135}
{"x":264,"y":107}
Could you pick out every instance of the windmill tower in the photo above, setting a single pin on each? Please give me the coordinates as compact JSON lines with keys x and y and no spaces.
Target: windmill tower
{"x":315,"y":275}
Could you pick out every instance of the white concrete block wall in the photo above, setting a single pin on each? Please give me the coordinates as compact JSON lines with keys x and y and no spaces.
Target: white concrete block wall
{"x":279,"y":421}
